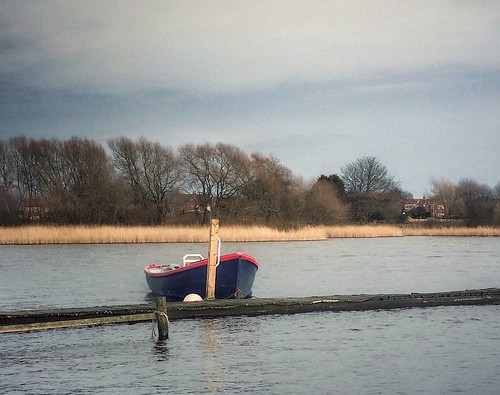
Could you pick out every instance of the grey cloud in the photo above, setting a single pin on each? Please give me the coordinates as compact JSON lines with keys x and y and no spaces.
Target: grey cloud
{"x":228,"y":45}
{"x":317,"y":84}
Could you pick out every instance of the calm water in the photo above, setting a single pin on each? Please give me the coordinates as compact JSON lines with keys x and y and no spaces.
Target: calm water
{"x":429,"y":351}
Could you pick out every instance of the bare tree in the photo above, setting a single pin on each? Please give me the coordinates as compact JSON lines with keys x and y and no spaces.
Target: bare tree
{"x":496,"y":191}
{"x":216,"y":173}
{"x":471,"y":190}
{"x":82,"y":184}
{"x":6,"y":166}
{"x":336,"y":183}
{"x":52,"y":167}
{"x":372,"y":191}
{"x":324,"y":205}
{"x":8,"y":205}
{"x":274,"y":196}
{"x":367,"y":175}
{"x":199,"y":163}
{"x":496,"y":210}
{"x":162,"y":174}
{"x":478,"y":202}
{"x":152,"y":171}
{"x":447,"y":192}
{"x":25,"y":158}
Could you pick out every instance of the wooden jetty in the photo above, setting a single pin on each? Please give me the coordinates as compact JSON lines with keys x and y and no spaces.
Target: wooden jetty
{"x":29,"y":320}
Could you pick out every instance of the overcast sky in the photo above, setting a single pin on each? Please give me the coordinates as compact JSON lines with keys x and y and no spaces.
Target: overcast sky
{"x":317,"y":84}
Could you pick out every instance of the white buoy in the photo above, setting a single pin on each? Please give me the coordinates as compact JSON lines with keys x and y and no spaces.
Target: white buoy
{"x":192,"y":298}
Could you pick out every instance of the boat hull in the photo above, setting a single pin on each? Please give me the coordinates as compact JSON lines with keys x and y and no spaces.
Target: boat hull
{"x":235,"y":275}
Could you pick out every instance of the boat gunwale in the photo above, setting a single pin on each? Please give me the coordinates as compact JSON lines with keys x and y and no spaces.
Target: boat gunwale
{"x":194,"y":265}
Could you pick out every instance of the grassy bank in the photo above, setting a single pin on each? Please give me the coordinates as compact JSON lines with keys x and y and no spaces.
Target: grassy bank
{"x":190,"y":234}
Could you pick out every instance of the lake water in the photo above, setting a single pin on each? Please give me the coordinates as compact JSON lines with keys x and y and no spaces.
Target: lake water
{"x":430,"y":351}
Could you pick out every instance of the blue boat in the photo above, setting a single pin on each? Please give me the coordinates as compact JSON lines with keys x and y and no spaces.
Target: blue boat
{"x":234,"y":279}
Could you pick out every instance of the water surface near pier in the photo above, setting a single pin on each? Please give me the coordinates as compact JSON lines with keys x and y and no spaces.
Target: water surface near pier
{"x":431,"y":351}
{"x":409,"y":351}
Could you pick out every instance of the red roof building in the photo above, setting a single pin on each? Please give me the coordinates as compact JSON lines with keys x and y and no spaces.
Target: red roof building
{"x":433,"y":207}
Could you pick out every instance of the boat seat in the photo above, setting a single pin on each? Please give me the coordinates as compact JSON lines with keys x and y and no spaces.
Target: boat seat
{"x":191,"y":258}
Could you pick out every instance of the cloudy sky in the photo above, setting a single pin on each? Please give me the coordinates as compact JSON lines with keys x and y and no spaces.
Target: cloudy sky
{"x":316,"y":84}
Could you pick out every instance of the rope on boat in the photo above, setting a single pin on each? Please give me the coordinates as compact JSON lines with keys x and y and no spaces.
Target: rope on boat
{"x":234,"y":294}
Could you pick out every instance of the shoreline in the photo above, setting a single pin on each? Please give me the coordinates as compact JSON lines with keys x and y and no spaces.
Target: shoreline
{"x":41,"y":235}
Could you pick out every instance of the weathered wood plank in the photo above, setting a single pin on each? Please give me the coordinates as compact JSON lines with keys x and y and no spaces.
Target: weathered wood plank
{"x":14,"y":321}
{"x":77,"y":323}
{"x":212,"y":259}
{"x":162,"y":317}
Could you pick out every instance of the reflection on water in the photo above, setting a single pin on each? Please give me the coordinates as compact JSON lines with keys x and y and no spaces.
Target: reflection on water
{"x":150,"y":297}
{"x":161,"y":350}
{"x":212,"y":355}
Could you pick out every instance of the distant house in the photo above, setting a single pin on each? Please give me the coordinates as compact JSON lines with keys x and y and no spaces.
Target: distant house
{"x":432,"y":208}
{"x":187,"y":203}
{"x":35,"y":209}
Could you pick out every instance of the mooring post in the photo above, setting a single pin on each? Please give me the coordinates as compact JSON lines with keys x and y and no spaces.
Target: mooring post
{"x":212,"y":258}
{"x":162,"y":317}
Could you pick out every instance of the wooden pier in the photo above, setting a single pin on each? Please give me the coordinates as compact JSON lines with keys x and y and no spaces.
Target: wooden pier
{"x":30,"y":320}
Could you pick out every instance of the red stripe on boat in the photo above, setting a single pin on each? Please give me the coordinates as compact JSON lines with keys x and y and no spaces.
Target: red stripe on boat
{"x":203,"y":262}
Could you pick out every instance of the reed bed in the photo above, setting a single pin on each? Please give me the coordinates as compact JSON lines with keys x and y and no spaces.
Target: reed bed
{"x":262,"y":233}
{"x":149,"y":234}
{"x":458,"y":231}
{"x":353,"y":231}
{"x":101,"y":234}
{"x":197,"y":234}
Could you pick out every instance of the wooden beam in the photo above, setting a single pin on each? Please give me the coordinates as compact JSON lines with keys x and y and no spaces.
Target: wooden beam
{"x":212,"y":259}
{"x":121,"y":319}
{"x":162,"y":317}
{"x":29,"y":320}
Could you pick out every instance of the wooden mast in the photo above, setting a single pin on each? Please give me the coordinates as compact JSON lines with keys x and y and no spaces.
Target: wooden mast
{"x":212,"y":258}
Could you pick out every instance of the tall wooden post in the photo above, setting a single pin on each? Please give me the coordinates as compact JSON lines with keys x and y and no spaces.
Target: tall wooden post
{"x":212,"y":258}
{"x":162,"y":317}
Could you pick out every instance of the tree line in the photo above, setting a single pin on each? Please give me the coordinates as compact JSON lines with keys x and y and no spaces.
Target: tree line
{"x":142,"y":182}
{"x":473,"y":202}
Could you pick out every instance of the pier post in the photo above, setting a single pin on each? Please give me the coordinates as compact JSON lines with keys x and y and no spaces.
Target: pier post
{"x":162,"y":317}
{"x":212,"y":259}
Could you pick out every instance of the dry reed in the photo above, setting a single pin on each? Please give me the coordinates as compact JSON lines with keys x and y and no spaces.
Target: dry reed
{"x":458,"y":231}
{"x":353,"y":231}
{"x":190,"y":234}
